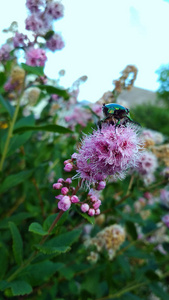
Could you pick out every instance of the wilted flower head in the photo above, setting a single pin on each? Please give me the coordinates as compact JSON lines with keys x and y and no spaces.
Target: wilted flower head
{"x":110,"y":239}
{"x":109,"y":151}
{"x":36,"y":57}
{"x":152,"y":137}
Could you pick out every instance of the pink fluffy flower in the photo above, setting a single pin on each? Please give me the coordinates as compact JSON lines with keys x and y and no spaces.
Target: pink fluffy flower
{"x":36,"y":57}
{"x":109,"y":151}
{"x":55,"y":43}
{"x":148,"y":163}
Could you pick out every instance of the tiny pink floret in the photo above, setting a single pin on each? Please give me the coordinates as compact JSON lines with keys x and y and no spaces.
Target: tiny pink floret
{"x":64,"y":190}
{"x":74,"y":199}
{"x":68,"y":167}
{"x":101,"y":185}
{"x":68,"y":180}
{"x":57,"y":186}
{"x":84,"y":207}
{"x":91,"y":212}
{"x":65,"y":203}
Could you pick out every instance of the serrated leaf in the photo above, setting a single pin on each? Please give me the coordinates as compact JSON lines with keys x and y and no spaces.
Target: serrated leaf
{"x":50,"y":128}
{"x":39,"y":71}
{"x":52,"y":250}
{"x":37,"y":273}
{"x":4,"y":285}
{"x":17,"y":243}
{"x":15,"y":179}
{"x":20,"y":288}
{"x":37,"y":229}
{"x":54,"y":90}
{"x":7,"y":106}
{"x":91,"y":220}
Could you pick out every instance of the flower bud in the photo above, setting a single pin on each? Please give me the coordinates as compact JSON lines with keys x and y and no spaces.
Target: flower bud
{"x":60,"y":180}
{"x":65,"y":203}
{"x":91,"y":212}
{"x":57,"y":186}
{"x":74,"y":199}
{"x":68,"y":167}
{"x":97,"y":204}
{"x":97,"y":212}
{"x":101,"y":185}
{"x":64,"y":190}
{"x":84,"y":207}
{"x":68,"y":180}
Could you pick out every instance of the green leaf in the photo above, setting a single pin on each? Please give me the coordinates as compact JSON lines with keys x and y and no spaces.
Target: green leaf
{"x":7,"y":106}
{"x":49,"y":34}
{"x":50,"y":128}
{"x":2,"y":78}
{"x":61,"y":243}
{"x":15,"y":179}
{"x":53,"y":90}
{"x":17,"y":218}
{"x":20,"y":288}
{"x":37,"y":229}
{"x":17,"y":243}
{"x":39,"y":71}
{"x":29,"y":120}
{"x":158,"y":291}
{"x":131,"y":229}
{"x":17,"y":141}
{"x":52,"y":250}
{"x":91,"y":220}
{"x":4,"y":259}
{"x":37,"y":273}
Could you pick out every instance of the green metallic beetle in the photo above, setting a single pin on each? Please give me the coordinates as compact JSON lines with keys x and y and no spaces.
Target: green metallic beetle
{"x":116,"y":114}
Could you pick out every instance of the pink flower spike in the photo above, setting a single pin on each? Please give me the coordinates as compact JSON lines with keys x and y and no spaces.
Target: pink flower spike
{"x":68,"y":167}
{"x":97,"y":212}
{"x":91,"y":212}
{"x":101,"y":185}
{"x":74,"y":199}
{"x":97,"y":204}
{"x":68,"y":180}
{"x":64,"y":190}
{"x":84,"y":207}
{"x":65,"y":203}
{"x":57,"y":186}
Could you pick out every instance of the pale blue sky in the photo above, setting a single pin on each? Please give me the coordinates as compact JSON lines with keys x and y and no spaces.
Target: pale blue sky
{"x":101,"y":38}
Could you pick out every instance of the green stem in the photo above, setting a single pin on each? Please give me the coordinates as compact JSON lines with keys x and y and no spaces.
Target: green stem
{"x":124,"y":291}
{"x":33,"y":255}
{"x":10,"y":133}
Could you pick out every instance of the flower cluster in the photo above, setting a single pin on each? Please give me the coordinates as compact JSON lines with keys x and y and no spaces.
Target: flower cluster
{"x":147,"y":166}
{"x":67,"y":196}
{"x":165,"y":220}
{"x":164,"y":197}
{"x":35,"y":57}
{"x":109,"y":151}
{"x":110,"y":239}
{"x":152,"y":137}
{"x":92,"y":203}
{"x":16,"y":80}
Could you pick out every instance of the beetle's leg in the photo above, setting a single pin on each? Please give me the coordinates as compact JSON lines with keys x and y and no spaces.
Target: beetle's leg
{"x":131,"y":121}
{"x":100,"y":124}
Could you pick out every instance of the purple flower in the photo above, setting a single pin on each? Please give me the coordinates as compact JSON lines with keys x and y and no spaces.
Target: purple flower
{"x":5,"y":52}
{"x":34,"y":23}
{"x":65,"y":203}
{"x":148,"y":163}
{"x":165,"y":220}
{"x":36,"y":57}
{"x":55,"y":42}
{"x":34,"y":5}
{"x":109,"y":151}
{"x":64,"y":190}
{"x":101,"y":185}
{"x":164,"y":197}
{"x":68,"y":167}
{"x":55,"y":10}
{"x":68,"y":180}
{"x":20,"y":40}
